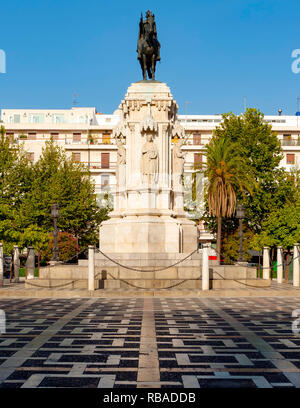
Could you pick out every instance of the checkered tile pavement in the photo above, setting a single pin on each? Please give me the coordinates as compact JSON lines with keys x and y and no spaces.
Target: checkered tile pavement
{"x":158,"y":342}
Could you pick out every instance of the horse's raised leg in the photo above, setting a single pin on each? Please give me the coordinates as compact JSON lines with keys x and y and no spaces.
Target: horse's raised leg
{"x":153,"y":67}
{"x":144,"y":67}
{"x":149,"y":71}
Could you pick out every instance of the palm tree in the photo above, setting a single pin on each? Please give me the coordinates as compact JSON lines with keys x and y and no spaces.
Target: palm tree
{"x":227,"y":173}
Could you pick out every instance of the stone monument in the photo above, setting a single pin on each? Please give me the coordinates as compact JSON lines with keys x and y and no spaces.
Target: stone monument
{"x":148,"y":244}
{"x":148,"y":214}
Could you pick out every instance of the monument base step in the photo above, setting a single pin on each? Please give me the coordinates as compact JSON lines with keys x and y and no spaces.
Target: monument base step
{"x":146,"y":271}
{"x":145,"y":283}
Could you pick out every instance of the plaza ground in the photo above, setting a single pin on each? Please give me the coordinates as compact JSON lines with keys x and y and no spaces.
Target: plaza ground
{"x":150,"y":342}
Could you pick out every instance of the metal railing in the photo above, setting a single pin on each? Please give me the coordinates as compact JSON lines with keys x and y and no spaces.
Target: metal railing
{"x":290,"y":142}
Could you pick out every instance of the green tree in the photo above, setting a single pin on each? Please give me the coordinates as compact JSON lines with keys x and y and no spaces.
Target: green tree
{"x":230,"y":245}
{"x":282,"y":226}
{"x":227,"y":174}
{"x":15,"y":181}
{"x":57,"y":179}
{"x":260,"y":148}
{"x":67,"y":247}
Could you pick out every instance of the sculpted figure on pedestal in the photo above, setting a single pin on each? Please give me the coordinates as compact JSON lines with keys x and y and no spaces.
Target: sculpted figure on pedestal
{"x":149,"y":162}
{"x":121,"y":153}
{"x":178,"y":163}
{"x":121,"y":162}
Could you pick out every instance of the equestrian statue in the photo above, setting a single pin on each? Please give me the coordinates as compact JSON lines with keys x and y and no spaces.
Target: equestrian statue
{"x":148,"y":47}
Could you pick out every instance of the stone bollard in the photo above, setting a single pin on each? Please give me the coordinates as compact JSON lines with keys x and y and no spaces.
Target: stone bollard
{"x":296,"y":266}
{"x":16,"y":263}
{"x":91,"y":279}
{"x":266,"y":263}
{"x":279,"y":264}
{"x":1,"y":265}
{"x":205,"y":267}
{"x":30,"y":263}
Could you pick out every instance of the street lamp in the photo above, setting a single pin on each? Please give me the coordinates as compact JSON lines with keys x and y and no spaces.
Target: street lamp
{"x":240,"y":215}
{"x":55,"y":214}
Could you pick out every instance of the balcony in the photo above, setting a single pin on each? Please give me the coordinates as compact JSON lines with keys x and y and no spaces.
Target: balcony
{"x":98,"y":141}
{"x":290,"y":142}
{"x":96,"y":167}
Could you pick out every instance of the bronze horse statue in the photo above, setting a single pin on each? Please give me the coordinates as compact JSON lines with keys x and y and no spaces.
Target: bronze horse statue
{"x":148,"y":47}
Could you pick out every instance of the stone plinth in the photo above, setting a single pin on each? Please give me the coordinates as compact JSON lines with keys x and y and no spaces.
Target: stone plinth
{"x":148,"y":234}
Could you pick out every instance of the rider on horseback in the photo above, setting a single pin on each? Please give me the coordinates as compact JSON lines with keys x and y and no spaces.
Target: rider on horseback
{"x":148,"y":33}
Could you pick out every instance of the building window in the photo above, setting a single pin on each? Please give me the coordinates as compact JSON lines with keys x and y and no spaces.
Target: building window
{"x":287,"y":140}
{"x":76,"y":137}
{"x":17,"y":118}
{"x":30,"y":156}
{"x":290,"y":158}
{"x":76,"y":157}
{"x":197,"y":160}
{"x":54,"y":136}
{"x":37,"y":118}
{"x":196,"y":138}
{"x":105,"y":160}
{"x":104,"y":182}
{"x":31,"y":136}
{"x":106,"y":138}
{"x":58,"y":118}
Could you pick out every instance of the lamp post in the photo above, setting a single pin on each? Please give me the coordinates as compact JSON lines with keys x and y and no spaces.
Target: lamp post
{"x":55,"y":214}
{"x":240,"y":215}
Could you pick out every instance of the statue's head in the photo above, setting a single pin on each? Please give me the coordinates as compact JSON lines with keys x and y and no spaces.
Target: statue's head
{"x":149,"y":137}
{"x":148,"y":14}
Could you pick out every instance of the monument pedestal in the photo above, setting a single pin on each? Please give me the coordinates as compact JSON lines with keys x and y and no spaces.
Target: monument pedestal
{"x":145,"y":233}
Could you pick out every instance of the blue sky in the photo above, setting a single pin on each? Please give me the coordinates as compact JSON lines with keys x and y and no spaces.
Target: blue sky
{"x":214,"y":53}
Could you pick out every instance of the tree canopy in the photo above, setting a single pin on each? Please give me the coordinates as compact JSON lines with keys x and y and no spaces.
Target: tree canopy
{"x":259,"y":149}
{"x":28,"y":190}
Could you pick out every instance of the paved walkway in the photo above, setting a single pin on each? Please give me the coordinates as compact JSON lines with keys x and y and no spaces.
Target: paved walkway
{"x":150,"y":342}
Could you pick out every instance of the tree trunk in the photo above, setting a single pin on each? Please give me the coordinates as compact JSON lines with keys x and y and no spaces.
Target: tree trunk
{"x":77,"y":252}
{"x":219,"y":237}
